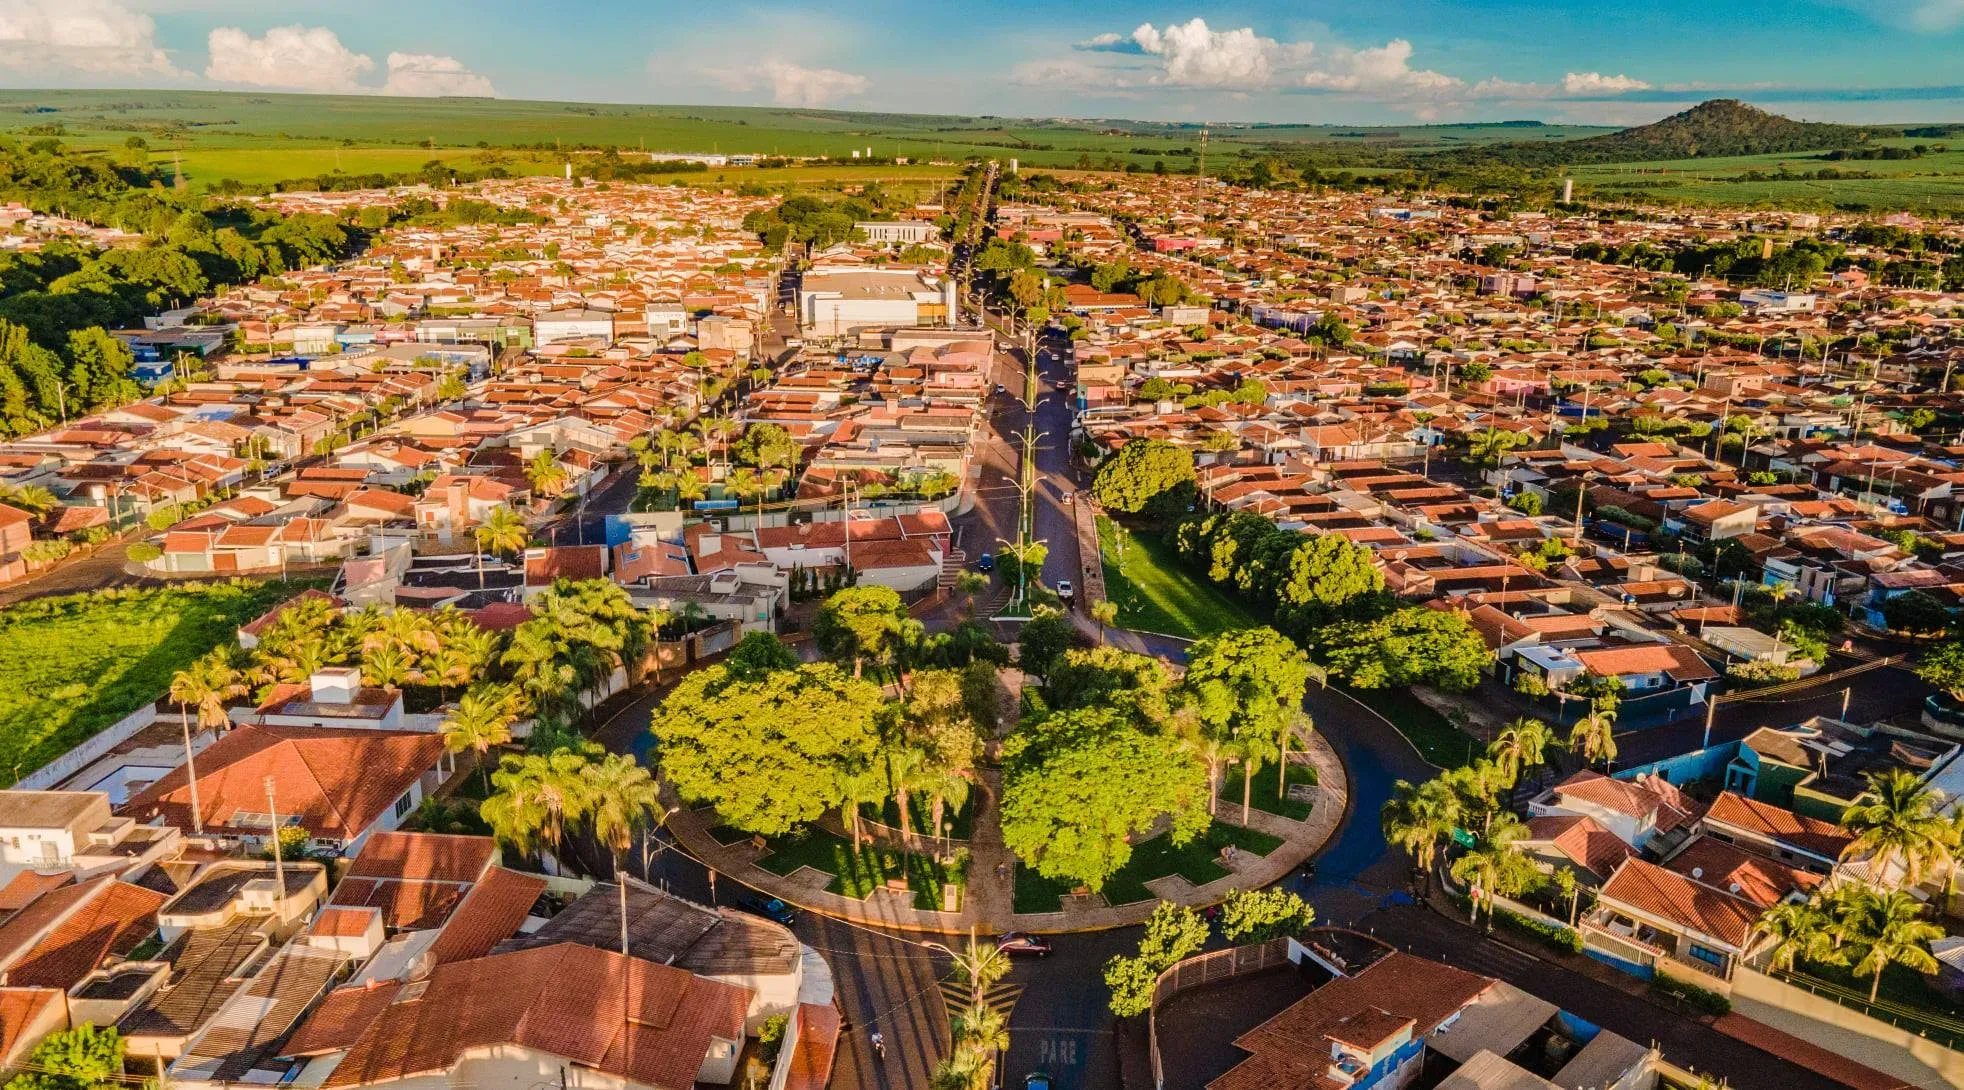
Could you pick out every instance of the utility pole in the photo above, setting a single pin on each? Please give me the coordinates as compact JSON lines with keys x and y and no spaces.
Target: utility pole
{"x":279,"y":865}
{"x":191,"y":773}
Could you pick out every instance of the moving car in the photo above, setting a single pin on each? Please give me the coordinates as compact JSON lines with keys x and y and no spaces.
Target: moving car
{"x":1022,"y":942}
{"x":769,"y":908}
{"x":1065,"y":590}
{"x":1036,"y":1080}
{"x":986,"y":562}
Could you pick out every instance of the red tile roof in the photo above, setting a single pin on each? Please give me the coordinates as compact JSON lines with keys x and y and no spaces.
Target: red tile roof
{"x":1764,"y":819}
{"x":98,"y":920}
{"x":1582,"y":839}
{"x":337,"y":780}
{"x":491,"y":913}
{"x":342,"y":1018}
{"x":1657,"y":892}
{"x":1765,"y":882}
{"x":423,"y":856}
{"x":20,"y":1010}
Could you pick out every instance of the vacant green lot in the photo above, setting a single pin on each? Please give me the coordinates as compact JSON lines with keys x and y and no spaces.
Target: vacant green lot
{"x":1154,"y":594}
{"x":72,"y":665}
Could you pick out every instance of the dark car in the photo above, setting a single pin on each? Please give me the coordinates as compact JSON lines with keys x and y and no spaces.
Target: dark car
{"x":985,"y":562}
{"x":769,"y":908}
{"x":1036,"y":1080}
{"x":1022,"y":942}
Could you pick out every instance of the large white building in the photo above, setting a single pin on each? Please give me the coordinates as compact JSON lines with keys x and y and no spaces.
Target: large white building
{"x":573,"y":325}
{"x":843,"y":301}
{"x":905,"y":232}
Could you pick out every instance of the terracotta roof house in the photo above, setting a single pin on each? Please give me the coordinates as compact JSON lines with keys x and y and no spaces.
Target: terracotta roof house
{"x":339,"y":784}
{"x":26,"y":1016}
{"x":1634,"y":811}
{"x":67,"y":933}
{"x":1792,"y":838}
{"x":416,"y":879}
{"x":1646,"y":915}
{"x":1578,"y":841}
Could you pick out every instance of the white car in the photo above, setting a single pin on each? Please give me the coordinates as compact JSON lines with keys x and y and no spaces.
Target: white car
{"x":1064,"y":589}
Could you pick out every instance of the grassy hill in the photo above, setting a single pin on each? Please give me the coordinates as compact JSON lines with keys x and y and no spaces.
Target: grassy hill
{"x":1715,"y":128}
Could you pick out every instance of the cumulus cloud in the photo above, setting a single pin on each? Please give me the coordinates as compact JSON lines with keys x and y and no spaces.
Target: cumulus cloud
{"x":1384,"y":69}
{"x":294,"y":58}
{"x":792,"y":84}
{"x":427,"y":75}
{"x":94,"y":36}
{"x":1595,"y":83}
{"x":1108,"y":43}
{"x":1192,"y":54}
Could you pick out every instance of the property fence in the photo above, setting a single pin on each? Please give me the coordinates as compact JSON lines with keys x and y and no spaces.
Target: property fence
{"x":75,"y":760}
{"x":1927,"y":1024}
{"x":1206,"y":969}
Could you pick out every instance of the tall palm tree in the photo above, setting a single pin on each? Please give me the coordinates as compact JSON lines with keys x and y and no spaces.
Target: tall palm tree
{"x":482,"y":720}
{"x":979,"y":965}
{"x":1416,"y":819}
{"x":207,"y":683}
{"x":1897,"y":819}
{"x":548,"y":477}
{"x":1800,"y":931}
{"x":502,"y":532}
{"x":1497,"y":868}
{"x":1894,"y":932}
{"x":536,"y":797}
{"x":389,"y":667}
{"x":1593,"y":738}
{"x":622,"y":800}
{"x":1104,"y":611}
{"x":1521,"y":745}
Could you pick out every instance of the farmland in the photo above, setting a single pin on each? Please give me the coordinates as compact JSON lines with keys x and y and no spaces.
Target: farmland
{"x":1933,"y":182}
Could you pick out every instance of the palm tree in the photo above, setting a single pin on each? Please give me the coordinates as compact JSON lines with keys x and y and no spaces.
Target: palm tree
{"x":1894,"y":932}
{"x":537,"y":796}
{"x":1497,"y":868}
{"x":980,"y":964}
{"x":389,"y":667}
{"x":1104,"y":611}
{"x":463,"y":655}
{"x":1593,"y":738}
{"x":1416,"y":819}
{"x":482,"y":720}
{"x":548,"y":477}
{"x":208,"y":682}
{"x":1899,"y":818}
{"x":1800,"y":930}
{"x":1521,"y":745}
{"x":968,"y":584}
{"x":743,"y":483}
{"x":502,"y":532}
{"x":622,"y":800}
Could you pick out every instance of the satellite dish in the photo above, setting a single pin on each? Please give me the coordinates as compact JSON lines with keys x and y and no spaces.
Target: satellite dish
{"x":1698,"y":872}
{"x":1733,"y":886}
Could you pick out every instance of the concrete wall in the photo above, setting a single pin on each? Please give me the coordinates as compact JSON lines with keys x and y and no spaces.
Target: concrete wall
{"x":1844,"y":1030}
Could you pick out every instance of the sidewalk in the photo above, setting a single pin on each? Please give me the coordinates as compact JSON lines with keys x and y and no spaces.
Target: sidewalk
{"x":988,"y":904}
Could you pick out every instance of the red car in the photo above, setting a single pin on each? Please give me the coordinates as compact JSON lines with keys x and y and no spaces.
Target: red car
{"x":1024,"y":943}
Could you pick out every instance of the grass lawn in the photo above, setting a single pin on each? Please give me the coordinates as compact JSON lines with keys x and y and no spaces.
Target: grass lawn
{"x":1264,"y":795}
{"x":1437,"y":740}
{"x":1904,"y":990}
{"x":960,"y":822}
{"x":1154,"y":594}
{"x":858,"y":874}
{"x":72,"y":665}
{"x":1198,"y":861}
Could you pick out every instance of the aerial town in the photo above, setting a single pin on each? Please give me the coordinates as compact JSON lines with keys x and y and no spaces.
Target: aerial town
{"x":1047,"y":627}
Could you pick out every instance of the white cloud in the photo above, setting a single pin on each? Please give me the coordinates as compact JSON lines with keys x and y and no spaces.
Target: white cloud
{"x":1383,"y":70}
{"x":1595,"y":83}
{"x":791,"y":84}
{"x":427,"y":75}
{"x":1194,"y":55}
{"x":1108,"y":41}
{"x":95,"y":36}
{"x":296,"y":58}
{"x":1937,"y":16}
{"x":1071,"y":75}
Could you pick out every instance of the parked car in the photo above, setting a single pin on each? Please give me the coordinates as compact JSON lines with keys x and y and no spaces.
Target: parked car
{"x":1024,"y":943}
{"x":769,"y":908}
{"x":1065,"y":590}
{"x":1001,"y":389}
{"x":986,"y":562}
{"x":1036,"y":1080}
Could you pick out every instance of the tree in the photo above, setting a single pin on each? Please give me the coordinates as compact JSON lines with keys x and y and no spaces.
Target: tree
{"x":1417,"y":818}
{"x":1943,"y":666}
{"x":1593,"y":738}
{"x":1916,"y":613}
{"x":502,"y":532}
{"x":482,"y":720}
{"x":1078,"y":783}
{"x":535,"y":797}
{"x":1105,"y":612}
{"x":1044,"y":637}
{"x":1410,"y":646}
{"x":1327,"y":572}
{"x":1800,"y":931}
{"x":207,"y":683}
{"x":1892,"y":932}
{"x":758,"y":654}
{"x":83,"y":1058}
{"x":771,"y":752}
{"x":548,"y":477}
{"x":861,"y":623}
{"x":1173,"y":934}
{"x":1248,"y":686}
{"x":1521,"y":745}
{"x":1496,"y":868}
{"x":1897,"y":818}
{"x":1259,"y":915}
{"x":622,"y":800}
{"x":1151,"y":477}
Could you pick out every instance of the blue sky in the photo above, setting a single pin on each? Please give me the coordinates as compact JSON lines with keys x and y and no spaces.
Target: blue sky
{"x":1378,"y":61}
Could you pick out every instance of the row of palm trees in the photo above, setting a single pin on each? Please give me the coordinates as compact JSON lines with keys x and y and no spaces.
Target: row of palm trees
{"x":541,"y":798}
{"x":769,"y":453}
{"x":1854,"y":925}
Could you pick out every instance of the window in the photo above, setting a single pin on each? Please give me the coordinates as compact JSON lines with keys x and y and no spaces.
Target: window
{"x":1709,"y":957}
{"x":405,"y":804}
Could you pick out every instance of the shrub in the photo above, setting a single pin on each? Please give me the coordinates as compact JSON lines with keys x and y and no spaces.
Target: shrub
{"x":1702,"y":999}
{"x":1762,"y":673}
{"x":1565,"y":939}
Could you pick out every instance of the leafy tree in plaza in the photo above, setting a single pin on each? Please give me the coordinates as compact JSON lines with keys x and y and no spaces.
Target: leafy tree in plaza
{"x":862,"y":624}
{"x":1078,"y":783}
{"x":771,"y":752}
{"x":1248,"y":686}
{"x":1173,"y":934}
{"x":1046,"y":635}
{"x":1325,"y":573}
{"x":759,"y":653}
{"x":1149,"y":476}
{"x":1410,"y":646}
{"x":1108,"y":677}
{"x":1916,"y":613}
{"x":1259,"y":915}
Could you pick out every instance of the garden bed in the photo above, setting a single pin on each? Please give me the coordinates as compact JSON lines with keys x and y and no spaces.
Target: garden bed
{"x":1264,"y":795}
{"x":1198,"y":861}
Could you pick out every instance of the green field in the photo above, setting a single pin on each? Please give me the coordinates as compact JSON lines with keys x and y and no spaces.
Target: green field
{"x":1198,"y":861}
{"x":856,"y":874}
{"x":72,"y":665}
{"x":1931,"y":183}
{"x":1154,"y":594}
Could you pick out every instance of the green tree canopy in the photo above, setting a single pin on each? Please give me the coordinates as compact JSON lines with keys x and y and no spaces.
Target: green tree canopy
{"x":1410,"y":646}
{"x":861,"y":625}
{"x":772,"y":752}
{"x":1149,"y":476}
